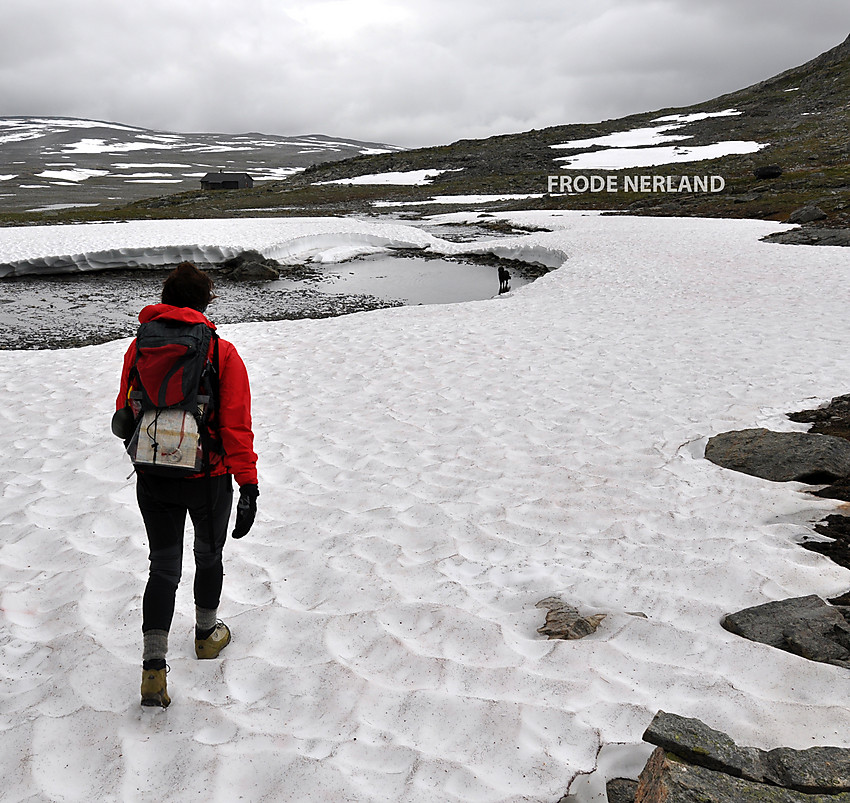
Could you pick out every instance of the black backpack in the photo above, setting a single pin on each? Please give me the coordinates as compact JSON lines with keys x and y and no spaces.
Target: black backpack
{"x":174,"y":390}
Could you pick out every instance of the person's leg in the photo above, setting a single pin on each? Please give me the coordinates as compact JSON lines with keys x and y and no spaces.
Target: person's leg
{"x":164,"y":515}
{"x":210,"y":512}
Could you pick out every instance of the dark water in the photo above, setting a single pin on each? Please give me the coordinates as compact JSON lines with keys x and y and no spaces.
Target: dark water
{"x":80,"y":309}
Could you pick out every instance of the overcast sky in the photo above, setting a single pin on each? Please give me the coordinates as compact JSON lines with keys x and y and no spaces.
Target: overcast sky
{"x":406,"y":72}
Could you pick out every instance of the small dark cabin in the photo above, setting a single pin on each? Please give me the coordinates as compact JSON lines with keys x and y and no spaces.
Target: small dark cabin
{"x":226,"y":181}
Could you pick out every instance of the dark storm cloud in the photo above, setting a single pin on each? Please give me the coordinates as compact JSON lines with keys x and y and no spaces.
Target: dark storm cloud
{"x":405,"y":71}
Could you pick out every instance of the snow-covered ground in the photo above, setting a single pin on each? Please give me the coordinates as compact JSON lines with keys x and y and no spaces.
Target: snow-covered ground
{"x":428,"y":474}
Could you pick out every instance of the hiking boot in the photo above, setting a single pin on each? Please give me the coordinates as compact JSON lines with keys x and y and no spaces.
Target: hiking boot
{"x":154,"y":691}
{"x":214,"y":641}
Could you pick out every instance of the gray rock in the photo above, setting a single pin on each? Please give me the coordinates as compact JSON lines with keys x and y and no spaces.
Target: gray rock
{"x":621,"y":790}
{"x":810,"y":236}
{"x":804,"y":640}
{"x":782,"y":456}
{"x":565,"y":622}
{"x":817,"y":770}
{"x":251,"y":266}
{"x":806,"y":626}
{"x":253,"y":271}
{"x":666,"y":779}
{"x":695,"y":742}
{"x":806,"y":214}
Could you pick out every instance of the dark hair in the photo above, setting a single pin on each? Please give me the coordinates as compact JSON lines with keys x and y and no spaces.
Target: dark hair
{"x":186,"y":286}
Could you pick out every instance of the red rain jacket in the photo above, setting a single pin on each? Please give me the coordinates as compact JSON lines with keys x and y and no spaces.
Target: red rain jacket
{"x":230,"y":421}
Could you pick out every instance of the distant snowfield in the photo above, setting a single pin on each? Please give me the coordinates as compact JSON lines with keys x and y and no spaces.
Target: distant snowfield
{"x":648,"y":146}
{"x":625,"y":158}
{"x":427,"y":475}
{"x":81,"y":153}
{"x":410,"y":178}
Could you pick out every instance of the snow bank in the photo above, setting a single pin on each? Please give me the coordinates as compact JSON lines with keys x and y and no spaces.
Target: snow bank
{"x":103,"y":246}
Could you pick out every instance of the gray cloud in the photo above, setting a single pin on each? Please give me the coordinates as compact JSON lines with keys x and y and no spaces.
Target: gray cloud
{"x":411,"y":72}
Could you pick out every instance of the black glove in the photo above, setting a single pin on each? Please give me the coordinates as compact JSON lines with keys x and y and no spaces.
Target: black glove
{"x":246,"y":509}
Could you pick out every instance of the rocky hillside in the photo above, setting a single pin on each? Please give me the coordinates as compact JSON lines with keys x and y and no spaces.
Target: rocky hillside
{"x":797,"y":123}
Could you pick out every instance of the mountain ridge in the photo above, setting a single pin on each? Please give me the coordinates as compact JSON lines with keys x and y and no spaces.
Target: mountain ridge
{"x":67,"y":161}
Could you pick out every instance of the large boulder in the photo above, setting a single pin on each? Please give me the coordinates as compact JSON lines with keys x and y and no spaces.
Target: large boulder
{"x":251,"y":266}
{"x":782,"y":456}
{"x":807,"y":626}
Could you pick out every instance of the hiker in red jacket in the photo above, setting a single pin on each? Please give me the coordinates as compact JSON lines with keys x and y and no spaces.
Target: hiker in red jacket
{"x":207,"y":497}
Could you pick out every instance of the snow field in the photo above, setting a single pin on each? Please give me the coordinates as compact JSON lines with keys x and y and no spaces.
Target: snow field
{"x":427,"y":475}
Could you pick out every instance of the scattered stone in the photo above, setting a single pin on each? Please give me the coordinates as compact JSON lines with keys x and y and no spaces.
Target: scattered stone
{"x":810,"y":236}
{"x":807,"y":214}
{"x":767,"y":171}
{"x":621,"y":790}
{"x":805,"y":626}
{"x":565,"y":622}
{"x":782,"y":456}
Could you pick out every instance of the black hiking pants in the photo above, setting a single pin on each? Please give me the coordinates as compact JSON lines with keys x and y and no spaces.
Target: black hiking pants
{"x":164,"y":503}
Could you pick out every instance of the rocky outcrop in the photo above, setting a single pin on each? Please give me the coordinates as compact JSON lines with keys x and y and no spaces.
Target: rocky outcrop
{"x":836,"y":530}
{"x":810,"y":236}
{"x":782,"y":456}
{"x":831,"y":419}
{"x":565,"y":622}
{"x":806,"y":626}
{"x":695,"y":763}
{"x":667,"y":779}
{"x":807,"y":214}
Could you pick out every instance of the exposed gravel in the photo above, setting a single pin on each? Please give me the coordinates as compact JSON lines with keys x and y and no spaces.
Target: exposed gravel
{"x":83,"y":309}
